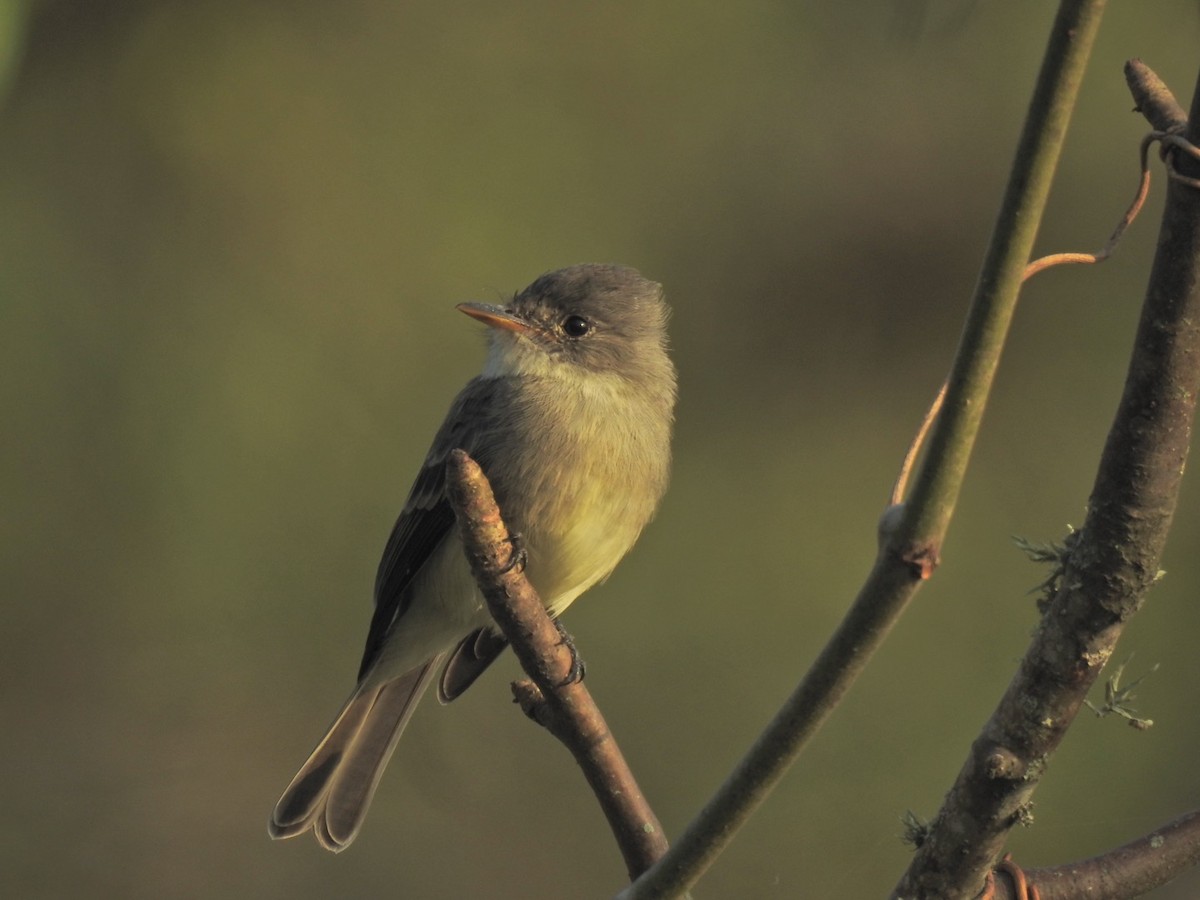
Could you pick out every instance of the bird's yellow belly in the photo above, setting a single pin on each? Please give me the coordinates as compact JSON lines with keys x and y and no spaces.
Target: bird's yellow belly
{"x":584,"y":548}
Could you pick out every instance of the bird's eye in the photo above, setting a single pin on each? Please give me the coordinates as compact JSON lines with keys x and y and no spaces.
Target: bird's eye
{"x":576,"y":326}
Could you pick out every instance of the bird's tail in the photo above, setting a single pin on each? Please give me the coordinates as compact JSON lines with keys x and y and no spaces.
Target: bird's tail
{"x":331,"y":792}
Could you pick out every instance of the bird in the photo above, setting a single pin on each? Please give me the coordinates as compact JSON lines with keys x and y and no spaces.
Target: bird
{"x":571,"y":421}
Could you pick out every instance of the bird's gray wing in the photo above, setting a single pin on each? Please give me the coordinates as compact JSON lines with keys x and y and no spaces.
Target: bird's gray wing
{"x":427,"y":517}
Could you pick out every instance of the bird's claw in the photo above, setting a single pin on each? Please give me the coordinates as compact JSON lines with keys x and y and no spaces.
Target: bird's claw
{"x":518,"y":556}
{"x":578,"y":666}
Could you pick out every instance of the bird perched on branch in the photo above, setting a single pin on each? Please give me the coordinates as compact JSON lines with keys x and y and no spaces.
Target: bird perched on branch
{"x":571,"y":422}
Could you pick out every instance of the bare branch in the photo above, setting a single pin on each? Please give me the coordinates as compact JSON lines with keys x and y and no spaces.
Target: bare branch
{"x":562,"y":705}
{"x":1112,"y":564}
{"x":1128,"y":871}
{"x":911,"y":534}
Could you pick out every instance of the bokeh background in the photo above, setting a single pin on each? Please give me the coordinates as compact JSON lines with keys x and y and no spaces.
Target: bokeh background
{"x":232,"y":233}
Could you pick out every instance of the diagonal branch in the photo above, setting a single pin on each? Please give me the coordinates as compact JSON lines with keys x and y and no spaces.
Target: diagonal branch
{"x":1112,"y":564}
{"x":563,"y":706}
{"x":911,"y":535}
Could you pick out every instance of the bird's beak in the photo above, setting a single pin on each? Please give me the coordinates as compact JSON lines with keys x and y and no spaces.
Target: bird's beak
{"x":496,"y":317}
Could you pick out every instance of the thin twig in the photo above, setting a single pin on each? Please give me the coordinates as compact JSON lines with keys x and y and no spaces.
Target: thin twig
{"x":563,"y":706}
{"x":1139,"y":200}
{"x":1014,"y":875}
{"x":910,"y":458}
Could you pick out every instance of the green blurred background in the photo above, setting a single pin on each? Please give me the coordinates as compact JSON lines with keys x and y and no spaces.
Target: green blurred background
{"x":231,"y":238}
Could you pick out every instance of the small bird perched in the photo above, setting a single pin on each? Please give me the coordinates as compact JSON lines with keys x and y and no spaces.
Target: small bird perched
{"x":571,"y":423}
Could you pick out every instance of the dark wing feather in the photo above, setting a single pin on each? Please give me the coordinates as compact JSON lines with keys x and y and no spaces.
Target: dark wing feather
{"x":427,"y":517}
{"x":416,"y":534}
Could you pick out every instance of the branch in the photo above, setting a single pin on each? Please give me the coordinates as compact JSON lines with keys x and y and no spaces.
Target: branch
{"x":1111,"y":565}
{"x":911,"y":535}
{"x":1128,"y":871}
{"x":563,"y":707}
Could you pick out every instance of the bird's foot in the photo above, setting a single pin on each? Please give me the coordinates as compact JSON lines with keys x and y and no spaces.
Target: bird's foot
{"x":518,"y":556}
{"x":578,"y":666}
